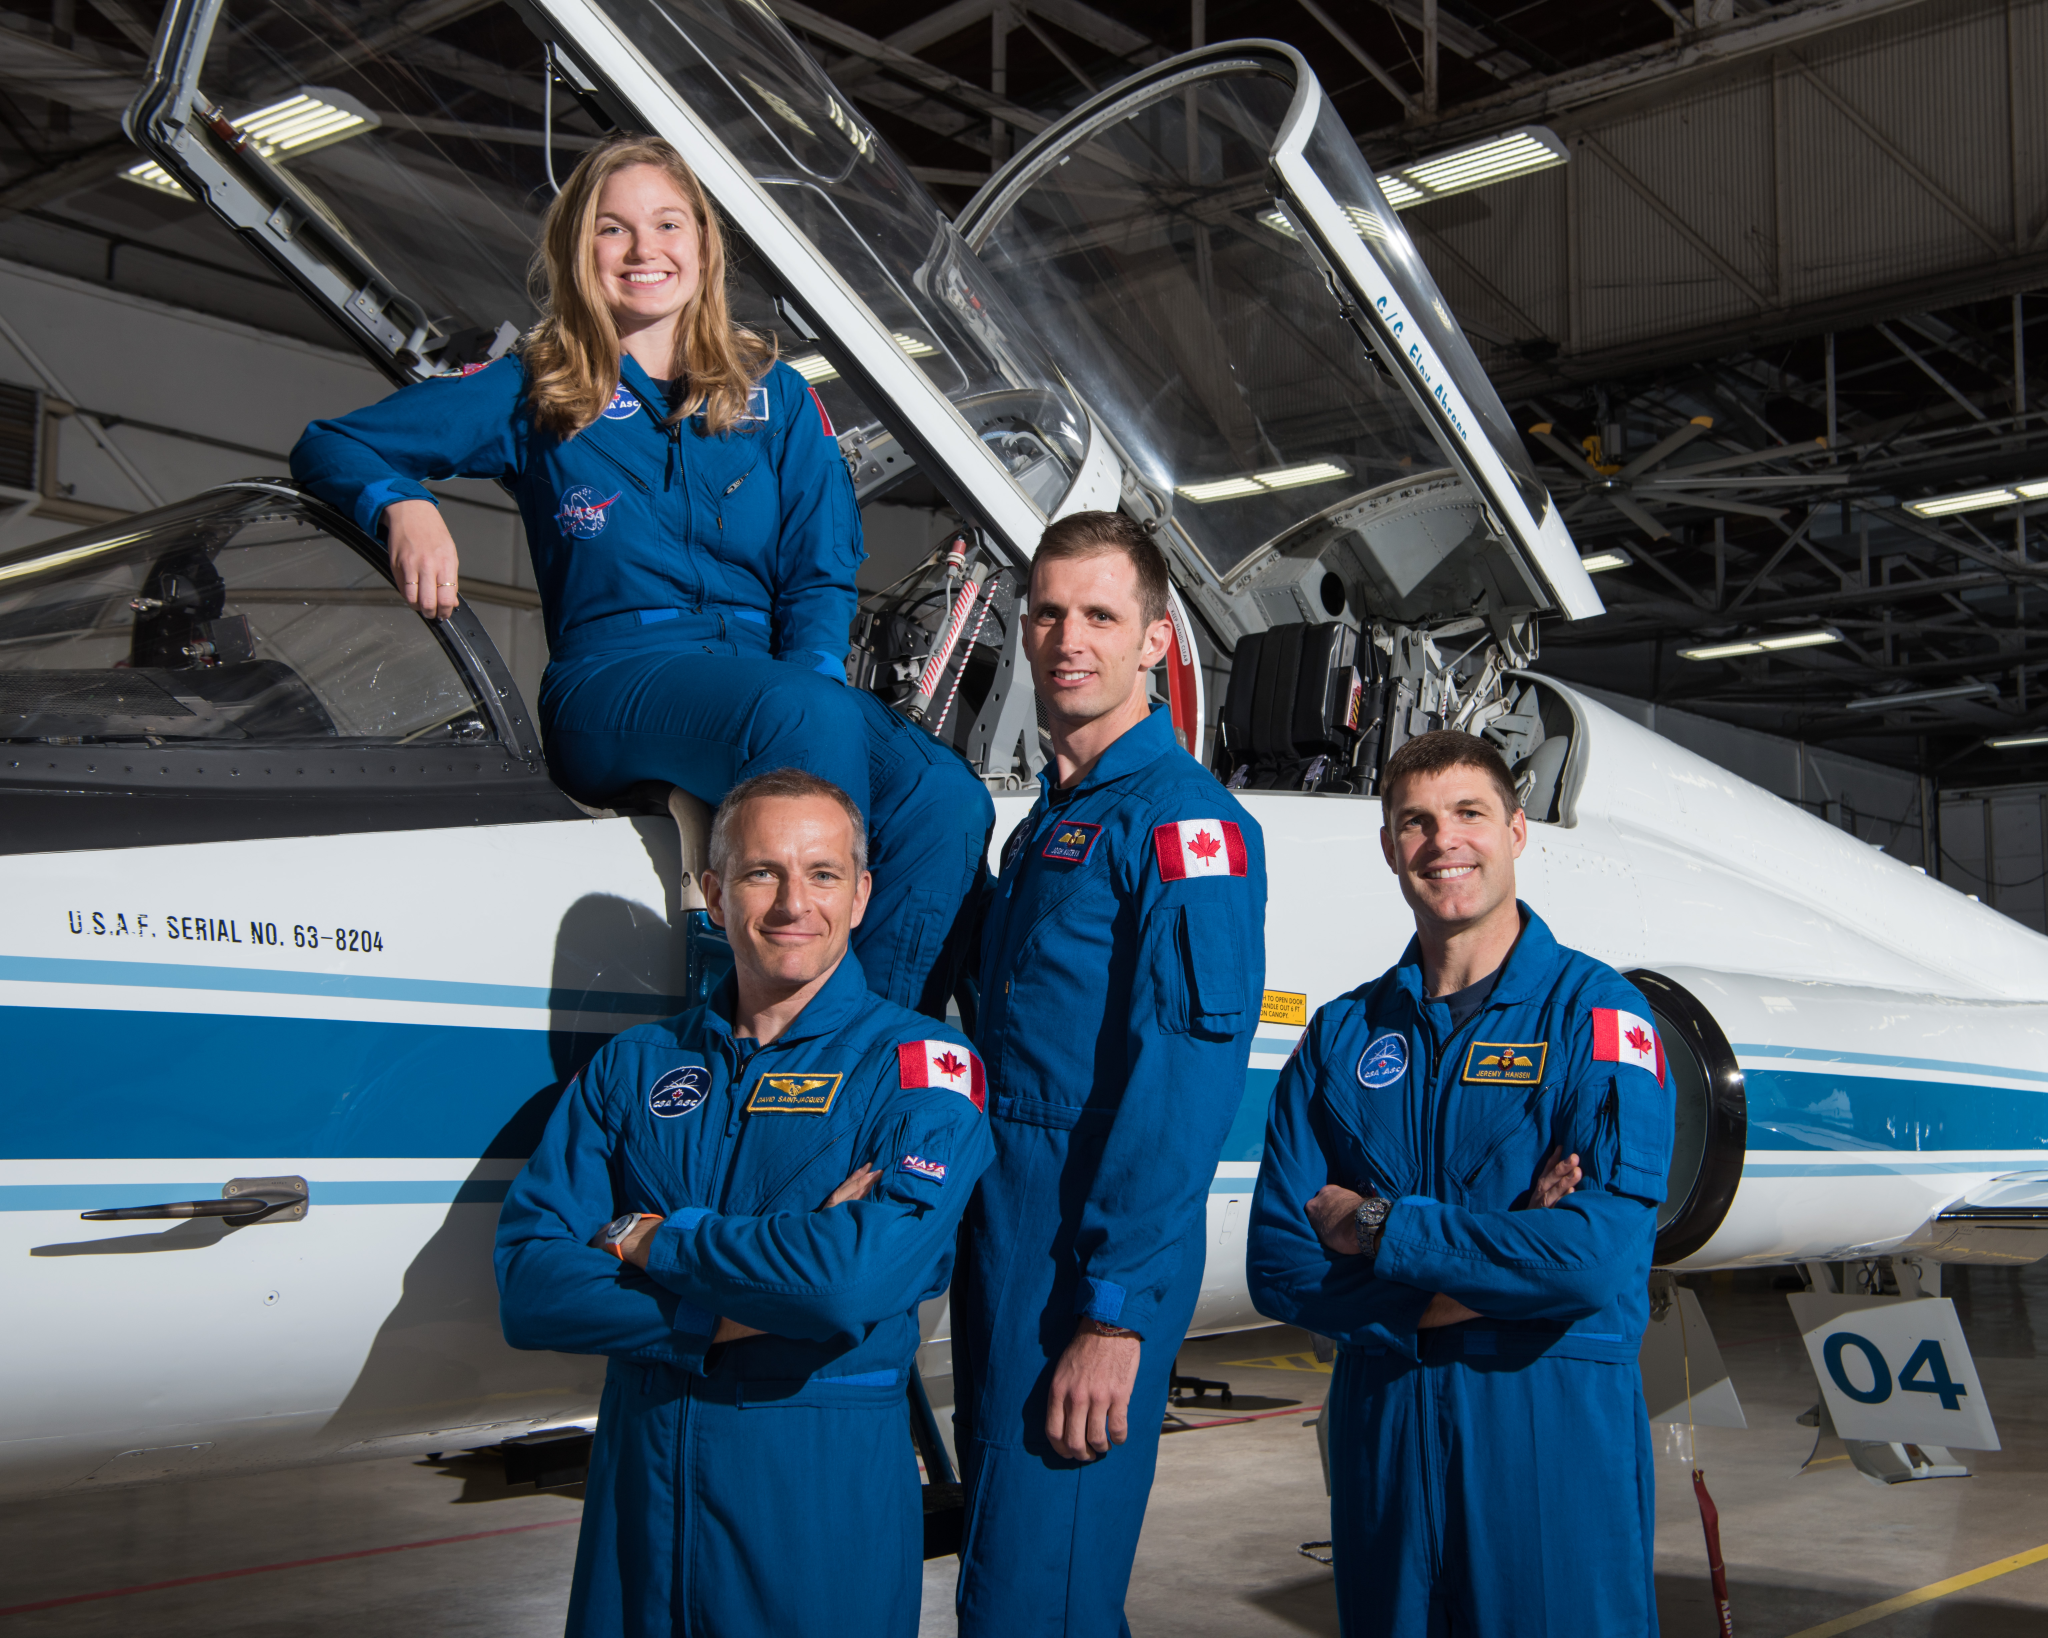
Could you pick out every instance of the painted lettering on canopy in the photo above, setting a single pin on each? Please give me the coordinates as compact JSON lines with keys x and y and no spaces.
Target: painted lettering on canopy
{"x":1425,"y":365}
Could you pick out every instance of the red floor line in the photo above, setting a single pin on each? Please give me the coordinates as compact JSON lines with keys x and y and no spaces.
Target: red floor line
{"x":1221,"y":1422}
{"x":294,"y":1564}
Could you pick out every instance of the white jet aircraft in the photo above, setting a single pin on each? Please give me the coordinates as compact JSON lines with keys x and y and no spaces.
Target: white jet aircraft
{"x":301,"y":942}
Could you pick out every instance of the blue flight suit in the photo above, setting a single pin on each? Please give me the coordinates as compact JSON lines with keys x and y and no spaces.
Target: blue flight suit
{"x":767,"y":1485}
{"x":697,"y":591}
{"x":1121,"y":977}
{"x":1492,"y":1477}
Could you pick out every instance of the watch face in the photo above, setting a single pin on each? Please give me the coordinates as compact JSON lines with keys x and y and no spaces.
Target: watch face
{"x":617,"y":1228}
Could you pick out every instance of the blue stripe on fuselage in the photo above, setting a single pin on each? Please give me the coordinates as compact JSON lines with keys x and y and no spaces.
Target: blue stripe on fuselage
{"x":1838,"y":1109}
{"x":158,"y":1085}
{"x":442,"y":1191}
{"x":168,"y":975}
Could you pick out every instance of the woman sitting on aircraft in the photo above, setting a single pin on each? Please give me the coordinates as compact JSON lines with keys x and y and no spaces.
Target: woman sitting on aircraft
{"x":694,"y":534}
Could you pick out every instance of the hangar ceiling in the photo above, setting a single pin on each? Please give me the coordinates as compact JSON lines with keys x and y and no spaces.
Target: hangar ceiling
{"x":1779,"y":292}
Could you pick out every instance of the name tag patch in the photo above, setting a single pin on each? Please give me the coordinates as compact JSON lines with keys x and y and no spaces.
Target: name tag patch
{"x":935,"y":1170}
{"x":794,"y":1094}
{"x":1505,"y":1063}
{"x":1070,"y":841}
{"x":679,"y":1091}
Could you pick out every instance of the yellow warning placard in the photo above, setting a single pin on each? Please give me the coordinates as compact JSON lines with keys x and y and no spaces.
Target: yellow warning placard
{"x":1284,"y":1007}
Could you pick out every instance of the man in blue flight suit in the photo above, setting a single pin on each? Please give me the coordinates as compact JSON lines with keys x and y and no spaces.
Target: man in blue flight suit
{"x":685,"y":1214}
{"x":1123,"y":963}
{"x":1488,"y":1441}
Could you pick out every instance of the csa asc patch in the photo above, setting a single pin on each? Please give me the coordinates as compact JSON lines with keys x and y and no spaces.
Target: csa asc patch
{"x":794,"y":1094}
{"x":935,"y":1170}
{"x":1199,"y":847}
{"x":679,"y":1091}
{"x":941,"y":1063}
{"x":1383,"y":1062}
{"x":624,"y":406}
{"x":1071,"y":841}
{"x":1505,"y":1063}
{"x":583,"y":512}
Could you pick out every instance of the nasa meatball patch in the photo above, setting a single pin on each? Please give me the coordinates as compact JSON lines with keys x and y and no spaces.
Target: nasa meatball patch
{"x":584,"y":512}
{"x":679,"y":1091}
{"x":1383,"y":1062}
{"x":624,"y":406}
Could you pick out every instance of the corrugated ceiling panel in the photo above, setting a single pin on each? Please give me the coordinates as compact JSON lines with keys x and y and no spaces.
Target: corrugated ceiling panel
{"x":1933,"y":79}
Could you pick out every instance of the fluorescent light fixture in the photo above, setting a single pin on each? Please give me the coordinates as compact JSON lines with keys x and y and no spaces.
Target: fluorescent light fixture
{"x":1802,"y":639}
{"x":311,"y":118}
{"x":1760,"y":645}
{"x":1977,"y":500}
{"x":1262,"y":483}
{"x":1600,"y":562}
{"x":2037,"y":490}
{"x":152,"y":175}
{"x":2016,"y":741}
{"x":1476,"y":165}
{"x":1293,"y":477}
{"x":1920,"y":696}
{"x":1222,"y":489}
{"x":1719,"y":651}
{"x":816,"y":369}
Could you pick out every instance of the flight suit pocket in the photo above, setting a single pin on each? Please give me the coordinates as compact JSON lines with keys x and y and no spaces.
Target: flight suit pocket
{"x":1636,"y":1136}
{"x":1203,"y":987}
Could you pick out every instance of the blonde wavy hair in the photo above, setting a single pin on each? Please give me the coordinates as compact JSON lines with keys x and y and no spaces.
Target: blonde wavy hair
{"x":572,"y":355}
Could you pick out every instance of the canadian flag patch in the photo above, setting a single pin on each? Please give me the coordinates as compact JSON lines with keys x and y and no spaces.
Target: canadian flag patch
{"x":1623,"y":1038}
{"x":941,"y":1063}
{"x":1199,"y":847}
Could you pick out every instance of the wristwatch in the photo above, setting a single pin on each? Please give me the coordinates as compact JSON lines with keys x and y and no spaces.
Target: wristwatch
{"x":612,"y":1236}
{"x":1372,"y":1217}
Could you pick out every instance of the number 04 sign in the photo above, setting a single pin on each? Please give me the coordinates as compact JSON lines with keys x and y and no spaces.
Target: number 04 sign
{"x":1895,"y":1369}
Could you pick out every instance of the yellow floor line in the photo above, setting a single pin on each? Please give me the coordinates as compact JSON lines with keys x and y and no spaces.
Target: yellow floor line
{"x":1926,"y":1595}
{"x":1281,"y":1362}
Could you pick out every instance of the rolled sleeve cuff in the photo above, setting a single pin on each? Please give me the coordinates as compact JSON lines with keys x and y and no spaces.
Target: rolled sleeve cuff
{"x":382,"y":493}
{"x":665,"y":1260}
{"x":1101,"y":1300}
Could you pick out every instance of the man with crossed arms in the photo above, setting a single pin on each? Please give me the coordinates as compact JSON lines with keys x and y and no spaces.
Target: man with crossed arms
{"x":1488,"y":1442}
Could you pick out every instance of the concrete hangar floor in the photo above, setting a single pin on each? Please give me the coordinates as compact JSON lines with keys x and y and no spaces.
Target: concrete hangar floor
{"x":449,"y":1548}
